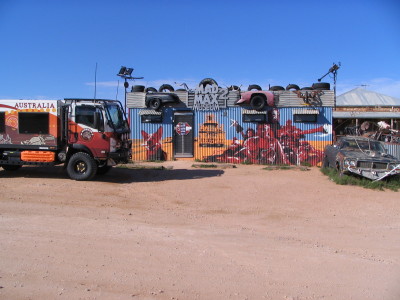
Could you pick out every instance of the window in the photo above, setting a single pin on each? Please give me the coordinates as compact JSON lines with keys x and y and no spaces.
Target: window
{"x":151,"y":118}
{"x":2,"y":122}
{"x":305,"y":118}
{"x":85,"y":115}
{"x":260,"y":118}
{"x":35,"y":122}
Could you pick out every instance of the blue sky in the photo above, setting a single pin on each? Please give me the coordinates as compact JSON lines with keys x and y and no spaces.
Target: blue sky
{"x":49,"y":49}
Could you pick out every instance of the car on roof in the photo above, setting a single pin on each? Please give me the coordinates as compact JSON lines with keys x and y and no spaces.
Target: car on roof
{"x":361,"y":156}
{"x":155,"y":100}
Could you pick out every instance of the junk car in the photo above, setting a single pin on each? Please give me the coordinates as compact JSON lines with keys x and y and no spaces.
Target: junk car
{"x":361,"y":156}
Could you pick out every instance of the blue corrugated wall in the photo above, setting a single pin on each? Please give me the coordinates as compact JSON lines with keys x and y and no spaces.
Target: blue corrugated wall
{"x":291,"y":142}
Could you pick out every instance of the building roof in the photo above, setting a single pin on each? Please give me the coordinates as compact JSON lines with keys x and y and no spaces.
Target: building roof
{"x":363,"y":97}
{"x":365,"y":115}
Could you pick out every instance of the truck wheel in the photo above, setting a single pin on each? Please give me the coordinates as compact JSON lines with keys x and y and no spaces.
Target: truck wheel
{"x":150,"y":89}
{"x":321,"y":86}
{"x":155,"y":103}
{"x":292,"y":87}
{"x":166,"y":87}
{"x":254,"y":87}
{"x":257,"y":102}
{"x":234,"y":88}
{"x":81,"y":166}
{"x":276,"y":88}
{"x":137,"y":88}
{"x":208,"y":81}
{"x":11,"y":167}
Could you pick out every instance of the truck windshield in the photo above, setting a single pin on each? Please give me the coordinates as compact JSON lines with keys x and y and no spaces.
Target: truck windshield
{"x":116,"y":115}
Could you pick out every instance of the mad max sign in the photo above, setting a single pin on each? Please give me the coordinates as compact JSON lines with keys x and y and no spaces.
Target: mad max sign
{"x":210,"y":97}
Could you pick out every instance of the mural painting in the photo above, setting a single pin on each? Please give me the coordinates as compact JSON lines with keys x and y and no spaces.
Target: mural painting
{"x":271,"y":144}
{"x":14,"y":133}
{"x":153,"y":145}
{"x":224,"y":137}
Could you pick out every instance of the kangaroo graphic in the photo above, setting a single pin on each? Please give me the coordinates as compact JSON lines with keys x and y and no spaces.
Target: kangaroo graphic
{"x":153,"y":145}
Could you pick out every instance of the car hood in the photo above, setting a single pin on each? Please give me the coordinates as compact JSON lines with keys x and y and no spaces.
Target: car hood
{"x":370,"y":156}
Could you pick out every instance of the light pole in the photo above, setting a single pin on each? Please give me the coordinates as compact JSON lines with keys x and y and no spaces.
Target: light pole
{"x":126,"y":73}
{"x":332,"y":70}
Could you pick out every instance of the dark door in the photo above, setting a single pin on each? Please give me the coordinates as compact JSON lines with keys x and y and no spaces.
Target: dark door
{"x":183,"y":134}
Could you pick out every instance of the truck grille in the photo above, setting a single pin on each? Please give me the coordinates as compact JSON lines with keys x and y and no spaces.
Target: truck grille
{"x":371,"y":165}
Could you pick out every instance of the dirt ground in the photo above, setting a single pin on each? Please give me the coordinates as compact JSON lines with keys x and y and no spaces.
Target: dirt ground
{"x":196,"y":233}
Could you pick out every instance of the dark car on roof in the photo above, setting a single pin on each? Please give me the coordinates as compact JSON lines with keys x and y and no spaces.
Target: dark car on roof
{"x":361,"y":156}
{"x":156,"y":100}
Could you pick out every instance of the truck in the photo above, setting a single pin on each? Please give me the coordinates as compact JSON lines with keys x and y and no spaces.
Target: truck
{"x":87,"y":136}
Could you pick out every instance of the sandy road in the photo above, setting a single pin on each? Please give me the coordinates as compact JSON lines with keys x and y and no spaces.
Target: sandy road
{"x":189,"y":233}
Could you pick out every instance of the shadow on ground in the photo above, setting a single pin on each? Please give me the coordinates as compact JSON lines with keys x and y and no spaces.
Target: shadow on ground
{"x":115,"y":175}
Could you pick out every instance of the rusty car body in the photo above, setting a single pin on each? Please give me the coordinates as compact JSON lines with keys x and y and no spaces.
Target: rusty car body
{"x":361,"y":156}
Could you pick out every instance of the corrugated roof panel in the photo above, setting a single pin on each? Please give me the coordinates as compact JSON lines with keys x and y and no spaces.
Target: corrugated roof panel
{"x":365,"y":115}
{"x":135,"y":99}
{"x":362,"y":97}
{"x":298,"y":98}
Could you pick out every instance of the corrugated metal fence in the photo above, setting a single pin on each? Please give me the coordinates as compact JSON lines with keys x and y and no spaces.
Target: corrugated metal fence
{"x":393,"y":149}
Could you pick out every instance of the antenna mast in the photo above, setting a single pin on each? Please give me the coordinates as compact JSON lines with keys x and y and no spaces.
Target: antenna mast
{"x":95,"y":81}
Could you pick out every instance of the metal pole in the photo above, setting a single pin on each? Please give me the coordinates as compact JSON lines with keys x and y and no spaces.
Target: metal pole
{"x":125,"y":94}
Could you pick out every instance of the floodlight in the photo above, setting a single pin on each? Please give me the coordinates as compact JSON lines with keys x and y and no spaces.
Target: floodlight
{"x":121,"y":71}
{"x":128,"y":71}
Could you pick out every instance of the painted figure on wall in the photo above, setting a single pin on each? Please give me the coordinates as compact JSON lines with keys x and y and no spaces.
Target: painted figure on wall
{"x":271,"y":144}
{"x":153,"y":145}
{"x":259,"y":146}
{"x":298,"y":151}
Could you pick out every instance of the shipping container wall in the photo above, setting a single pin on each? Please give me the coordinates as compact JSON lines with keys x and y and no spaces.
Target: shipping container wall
{"x":290,"y":135}
{"x":393,"y":149}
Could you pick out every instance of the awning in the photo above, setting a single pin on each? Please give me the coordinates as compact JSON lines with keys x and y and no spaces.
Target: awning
{"x":305,"y":111}
{"x":147,"y":112}
{"x":365,"y":115}
{"x":253,"y":112}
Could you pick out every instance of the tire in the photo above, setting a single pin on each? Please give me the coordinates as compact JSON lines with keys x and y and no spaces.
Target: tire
{"x":9,"y":168}
{"x":137,"y":88}
{"x":307,"y":88}
{"x":208,"y":81}
{"x":234,"y":88}
{"x":276,"y":88}
{"x":292,"y":87}
{"x":155,"y":103}
{"x":81,"y":166}
{"x":257,"y":102}
{"x":254,"y":87}
{"x":321,"y":86}
{"x":150,"y":89}
{"x":103,"y":170}
{"x":166,"y":87}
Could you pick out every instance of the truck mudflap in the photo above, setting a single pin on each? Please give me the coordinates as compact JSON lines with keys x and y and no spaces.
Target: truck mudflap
{"x":121,"y":156}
